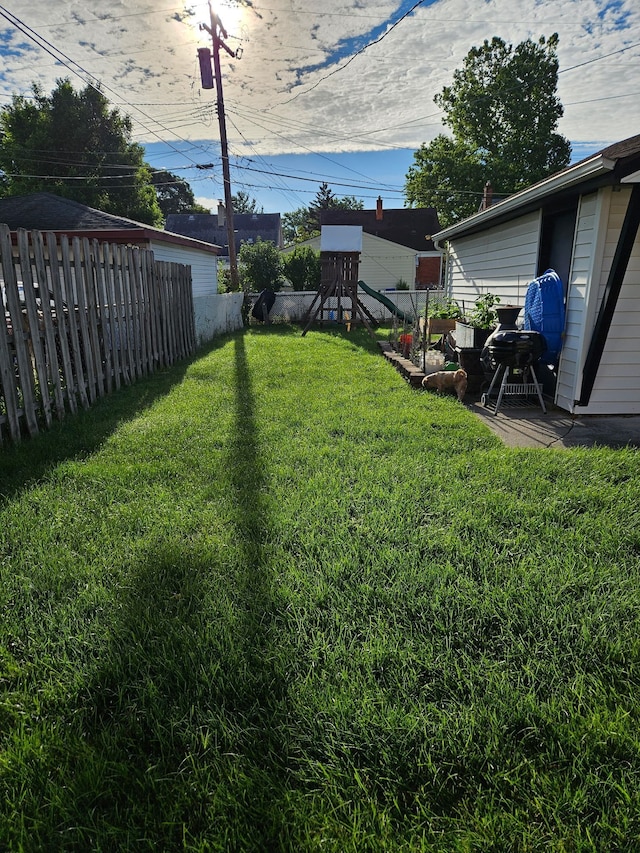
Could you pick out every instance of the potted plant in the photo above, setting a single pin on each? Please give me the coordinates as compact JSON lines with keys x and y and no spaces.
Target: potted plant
{"x":442,"y":316}
{"x":473,"y":330}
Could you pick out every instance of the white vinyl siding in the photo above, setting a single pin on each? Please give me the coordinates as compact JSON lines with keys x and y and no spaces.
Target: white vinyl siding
{"x":382,"y":263}
{"x":587,"y":248}
{"x":204,"y":265}
{"x":501,"y":260}
{"x":617,"y":386}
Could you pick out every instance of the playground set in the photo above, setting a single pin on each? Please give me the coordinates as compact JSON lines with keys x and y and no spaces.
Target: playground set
{"x":421,"y":345}
{"x":337,"y":299}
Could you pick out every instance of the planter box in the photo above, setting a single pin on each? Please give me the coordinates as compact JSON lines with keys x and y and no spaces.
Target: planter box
{"x":469,"y":337}
{"x":436,"y":326}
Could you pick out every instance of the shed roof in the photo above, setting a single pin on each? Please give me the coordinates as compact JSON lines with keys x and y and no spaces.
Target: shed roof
{"x":49,"y":212}
{"x":610,"y":165}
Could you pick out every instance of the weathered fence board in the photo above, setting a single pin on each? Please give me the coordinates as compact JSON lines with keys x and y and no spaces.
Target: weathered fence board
{"x":16,"y":323}
{"x":48,"y":319}
{"x":62,"y":320}
{"x":74,"y":324}
{"x":81,"y":318}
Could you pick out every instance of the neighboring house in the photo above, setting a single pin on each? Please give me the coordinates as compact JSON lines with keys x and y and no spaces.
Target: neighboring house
{"x":213,"y":312}
{"x":406,"y":232}
{"x":583,"y":223}
{"x":211,"y":228}
{"x":382,"y":264}
{"x":48,"y":212}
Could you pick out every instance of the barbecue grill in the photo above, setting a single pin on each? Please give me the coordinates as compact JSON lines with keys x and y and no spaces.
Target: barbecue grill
{"x":512,"y":353}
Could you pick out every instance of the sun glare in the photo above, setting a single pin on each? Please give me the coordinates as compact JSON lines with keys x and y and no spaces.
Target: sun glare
{"x":230,"y":13}
{"x":231,"y":16}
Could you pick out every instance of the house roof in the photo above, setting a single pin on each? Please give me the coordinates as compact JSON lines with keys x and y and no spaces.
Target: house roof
{"x":411,"y":227}
{"x":49,"y":212}
{"x":609,"y":166}
{"x":369,"y":241}
{"x":248,"y":227}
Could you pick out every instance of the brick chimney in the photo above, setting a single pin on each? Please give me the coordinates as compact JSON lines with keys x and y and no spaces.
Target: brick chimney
{"x":222,"y":215}
{"x":379,"y":213}
{"x":487,"y":196}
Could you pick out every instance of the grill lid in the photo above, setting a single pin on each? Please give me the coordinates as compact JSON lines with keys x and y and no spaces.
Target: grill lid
{"x":513,"y":348}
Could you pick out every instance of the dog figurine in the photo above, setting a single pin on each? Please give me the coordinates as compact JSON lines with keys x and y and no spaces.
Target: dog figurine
{"x":456,"y":379}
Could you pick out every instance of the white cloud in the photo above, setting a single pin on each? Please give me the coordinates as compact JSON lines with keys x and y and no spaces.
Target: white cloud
{"x":289,"y":93}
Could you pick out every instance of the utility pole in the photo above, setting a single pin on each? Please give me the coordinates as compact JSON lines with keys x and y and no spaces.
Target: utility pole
{"x":218,"y":33}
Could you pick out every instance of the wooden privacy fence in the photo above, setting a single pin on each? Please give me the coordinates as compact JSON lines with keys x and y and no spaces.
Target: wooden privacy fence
{"x":81,"y":318}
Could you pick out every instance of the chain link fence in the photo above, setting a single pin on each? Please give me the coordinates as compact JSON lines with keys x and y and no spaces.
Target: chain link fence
{"x":293,"y":306}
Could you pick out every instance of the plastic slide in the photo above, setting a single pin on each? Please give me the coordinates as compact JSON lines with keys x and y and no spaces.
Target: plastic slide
{"x":401,"y":315}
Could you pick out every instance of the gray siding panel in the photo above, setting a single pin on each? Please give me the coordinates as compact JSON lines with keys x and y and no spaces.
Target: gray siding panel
{"x":617,"y":386}
{"x":501,"y":260}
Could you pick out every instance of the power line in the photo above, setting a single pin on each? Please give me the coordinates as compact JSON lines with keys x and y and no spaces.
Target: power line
{"x":599,"y":58}
{"x":249,"y":115}
{"x":357,"y":53}
{"x":329,"y":159}
{"x":69,"y":63}
{"x":261,"y":159}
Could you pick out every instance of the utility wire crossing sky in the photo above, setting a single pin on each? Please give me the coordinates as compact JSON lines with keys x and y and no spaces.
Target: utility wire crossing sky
{"x":340,"y":92}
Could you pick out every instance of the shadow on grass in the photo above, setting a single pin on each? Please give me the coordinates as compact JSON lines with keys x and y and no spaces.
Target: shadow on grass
{"x":81,"y":434}
{"x":176,"y":743}
{"x":359,"y":337}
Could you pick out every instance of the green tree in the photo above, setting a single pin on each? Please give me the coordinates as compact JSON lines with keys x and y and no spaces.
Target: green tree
{"x":260,"y":266}
{"x":302,"y":268}
{"x":503,"y":111}
{"x":72,"y":144}
{"x":442,"y":176}
{"x":296,"y":227}
{"x":243,"y":203}
{"x":304,"y":222}
{"x":174,"y":194}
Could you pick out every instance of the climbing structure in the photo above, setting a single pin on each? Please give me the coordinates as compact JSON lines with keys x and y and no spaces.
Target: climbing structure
{"x":338,"y":284}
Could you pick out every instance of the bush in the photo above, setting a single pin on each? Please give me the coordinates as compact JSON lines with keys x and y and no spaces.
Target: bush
{"x":446,"y":309}
{"x":224,"y":278}
{"x":483,"y":315}
{"x":261,"y":266}
{"x":302,"y":268}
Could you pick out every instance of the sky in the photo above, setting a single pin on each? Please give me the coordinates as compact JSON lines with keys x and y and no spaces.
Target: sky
{"x":324,"y":90}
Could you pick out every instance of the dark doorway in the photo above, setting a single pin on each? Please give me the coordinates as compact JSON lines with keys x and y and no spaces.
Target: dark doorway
{"x":556,"y":242}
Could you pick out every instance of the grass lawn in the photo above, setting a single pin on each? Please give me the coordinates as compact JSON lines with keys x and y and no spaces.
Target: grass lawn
{"x":274,"y":599}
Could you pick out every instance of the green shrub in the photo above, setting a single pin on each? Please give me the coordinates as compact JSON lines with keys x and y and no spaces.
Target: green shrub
{"x":447,"y":309}
{"x":483,"y":315}
{"x":302,"y":268}
{"x":261,"y":266}
{"x":224,"y":278}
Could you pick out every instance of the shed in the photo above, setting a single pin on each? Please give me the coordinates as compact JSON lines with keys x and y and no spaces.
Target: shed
{"x":583,"y":223}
